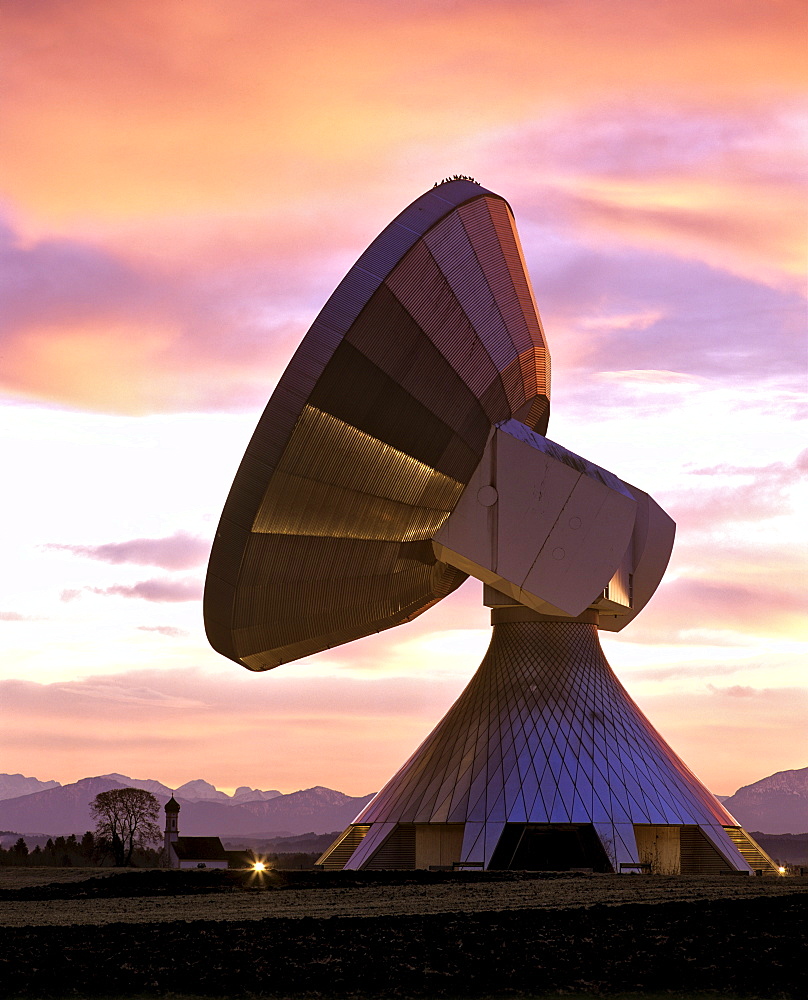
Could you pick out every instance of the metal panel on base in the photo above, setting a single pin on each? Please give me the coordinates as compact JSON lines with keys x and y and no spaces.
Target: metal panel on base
{"x":545,"y":736}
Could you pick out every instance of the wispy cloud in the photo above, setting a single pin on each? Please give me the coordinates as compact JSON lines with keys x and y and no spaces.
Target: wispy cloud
{"x":689,"y":604}
{"x":777,"y":472}
{"x":83,"y":326}
{"x":717,"y":183}
{"x":745,"y":493}
{"x":736,"y":691}
{"x":659,"y":674}
{"x":168,"y":630}
{"x":159,"y":591}
{"x":178,"y":551}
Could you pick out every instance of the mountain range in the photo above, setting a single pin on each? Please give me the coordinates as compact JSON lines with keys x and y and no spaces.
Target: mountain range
{"x":777,"y":804}
{"x":56,"y":809}
{"x":14,"y":785}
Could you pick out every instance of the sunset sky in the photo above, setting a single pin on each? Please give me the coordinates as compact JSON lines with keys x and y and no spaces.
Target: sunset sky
{"x":183,"y":183}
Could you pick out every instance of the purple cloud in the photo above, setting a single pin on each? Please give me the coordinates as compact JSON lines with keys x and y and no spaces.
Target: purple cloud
{"x":178,"y":551}
{"x":699,"y":320}
{"x":158,"y":591}
{"x":669,"y":140}
{"x":197,"y":337}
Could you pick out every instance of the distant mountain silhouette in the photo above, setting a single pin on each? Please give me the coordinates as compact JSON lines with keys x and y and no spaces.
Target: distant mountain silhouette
{"x":147,"y":784}
{"x":783,"y":848}
{"x":246,"y":794}
{"x":777,"y":804}
{"x":12,"y":785}
{"x":199,"y":789}
{"x":66,"y":809}
{"x":57,"y":811}
{"x":195,"y":791}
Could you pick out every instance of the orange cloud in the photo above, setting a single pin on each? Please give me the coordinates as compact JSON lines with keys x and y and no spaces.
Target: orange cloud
{"x":197,"y":154}
{"x":80,"y":325}
{"x":757,"y":603}
{"x":729,"y":734}
{"x":702,"y":218}
{"x":149,"y":107}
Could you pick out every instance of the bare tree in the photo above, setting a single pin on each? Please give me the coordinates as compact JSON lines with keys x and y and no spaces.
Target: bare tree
{"x":126,"y":819}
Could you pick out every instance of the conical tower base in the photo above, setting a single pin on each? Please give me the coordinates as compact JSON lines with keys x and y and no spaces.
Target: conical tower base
{"x":545,"y":762}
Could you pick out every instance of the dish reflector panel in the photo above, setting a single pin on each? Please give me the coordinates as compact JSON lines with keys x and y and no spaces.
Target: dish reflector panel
{"x":373,"y":432}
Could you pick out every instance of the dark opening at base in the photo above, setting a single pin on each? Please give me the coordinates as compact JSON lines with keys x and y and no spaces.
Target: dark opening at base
{"x":535,"y":847}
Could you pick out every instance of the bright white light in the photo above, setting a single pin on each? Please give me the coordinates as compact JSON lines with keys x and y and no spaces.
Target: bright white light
{"x":259,"y":866}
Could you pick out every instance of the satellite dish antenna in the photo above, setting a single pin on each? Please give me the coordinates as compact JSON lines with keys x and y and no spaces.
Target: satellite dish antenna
{"x":404,"y":449}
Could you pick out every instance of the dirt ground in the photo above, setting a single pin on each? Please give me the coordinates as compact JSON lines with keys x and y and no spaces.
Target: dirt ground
{"x":46,"y":897}
{"x":373,"y":935}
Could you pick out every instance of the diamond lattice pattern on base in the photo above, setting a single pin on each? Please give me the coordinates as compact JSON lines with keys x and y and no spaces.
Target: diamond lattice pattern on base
{"x":545,"y":733}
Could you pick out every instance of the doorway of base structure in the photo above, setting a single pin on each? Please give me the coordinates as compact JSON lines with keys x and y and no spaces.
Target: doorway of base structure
{"x":542,"y":847}
{"x":522,"y":846}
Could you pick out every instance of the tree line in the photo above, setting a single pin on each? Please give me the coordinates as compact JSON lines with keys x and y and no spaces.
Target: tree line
{"x":65,"y":852}
{"x":126,"y":833}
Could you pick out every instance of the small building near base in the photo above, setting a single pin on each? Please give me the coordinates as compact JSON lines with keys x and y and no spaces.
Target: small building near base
{"x":198,"y":852}
{"x":189,"y":852}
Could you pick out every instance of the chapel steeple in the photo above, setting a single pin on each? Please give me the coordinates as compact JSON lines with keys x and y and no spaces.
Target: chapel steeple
{"x":172,"y":810}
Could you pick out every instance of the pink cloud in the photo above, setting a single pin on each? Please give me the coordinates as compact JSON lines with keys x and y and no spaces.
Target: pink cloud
{"x":777,"y":471}
{"x":298,"y":727}
{"x":164,"y":272}
{"x":689,"y":604}
{"x":623,"y":308}
{"x":341,"y":732}
{"x":764,"y":497}
{"x":13,"y":616}
{"x":167,"y":630}
{"x":736,"y":691}
{"x":680,"y":671}
{"x":178,"y":551}
{"x":169,"y":591}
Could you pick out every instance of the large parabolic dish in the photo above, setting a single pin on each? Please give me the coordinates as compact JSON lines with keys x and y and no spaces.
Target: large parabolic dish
{"x":373,"y":432}
{"x":403,"y":449}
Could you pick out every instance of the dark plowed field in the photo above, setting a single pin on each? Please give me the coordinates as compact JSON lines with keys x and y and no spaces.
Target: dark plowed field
{"x":408,"y":934}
